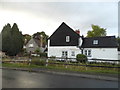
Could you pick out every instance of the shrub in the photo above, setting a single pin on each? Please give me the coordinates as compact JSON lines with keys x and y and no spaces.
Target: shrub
{"x":43,"y":54}
{"x":39,"y":62}
{"x":37,"y":51}
{"x":81,"y":58}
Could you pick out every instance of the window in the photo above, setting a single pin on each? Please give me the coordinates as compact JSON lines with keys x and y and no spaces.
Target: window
{"x":67,"y":38}
{"x":31,"y":45}
{"x":95,"y":41}
{"x":64,"y":53}
{"x":87,"y":53}
{"x":72,"y":53}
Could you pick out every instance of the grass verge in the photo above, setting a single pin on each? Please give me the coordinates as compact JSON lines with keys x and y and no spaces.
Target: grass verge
{"x":65,"y":68}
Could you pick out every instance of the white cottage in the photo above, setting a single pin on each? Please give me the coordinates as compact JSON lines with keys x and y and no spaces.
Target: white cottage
{"x":65,"y":42}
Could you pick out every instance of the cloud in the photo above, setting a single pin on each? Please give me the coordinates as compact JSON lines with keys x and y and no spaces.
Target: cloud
{"x":47,"y":16}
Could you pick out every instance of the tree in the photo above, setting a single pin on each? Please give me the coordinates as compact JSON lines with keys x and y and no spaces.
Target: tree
{"x":26,"y":38}
{"x":6,"y":37}
{"x":12,"y":40}
{"x":96,"y":31}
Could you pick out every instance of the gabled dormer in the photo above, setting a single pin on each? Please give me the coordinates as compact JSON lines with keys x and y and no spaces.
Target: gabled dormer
{"x":64,"y":36}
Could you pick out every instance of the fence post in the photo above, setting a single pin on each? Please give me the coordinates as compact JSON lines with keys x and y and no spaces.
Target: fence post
{"x":29,"y":61}
{"x":46,"y":62}
{"x":66,"y":63}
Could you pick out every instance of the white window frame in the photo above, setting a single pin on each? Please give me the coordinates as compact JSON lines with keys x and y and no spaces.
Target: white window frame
{"x":73,"y":53}
{"x":67,"y":38}
{"x":31,"y":45}
{"x":64,"y":53}
{"x":87,"y":53}
{"x":95,"y":42}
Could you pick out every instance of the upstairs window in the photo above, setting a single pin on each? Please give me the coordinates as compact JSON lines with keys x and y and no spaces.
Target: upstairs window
{"x":30,"y":45}
{"x":67,"y":38}
{"x":95,"y":41}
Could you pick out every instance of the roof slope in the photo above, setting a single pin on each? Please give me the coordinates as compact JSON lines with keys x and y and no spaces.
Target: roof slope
{"x":58,"y":38}
{"x":103,"y":42}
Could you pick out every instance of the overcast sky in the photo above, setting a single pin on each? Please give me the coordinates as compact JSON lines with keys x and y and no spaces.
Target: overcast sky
{"x":35,"y":16}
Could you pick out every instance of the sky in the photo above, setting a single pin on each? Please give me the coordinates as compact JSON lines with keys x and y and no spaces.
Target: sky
{"x":34,"y":16}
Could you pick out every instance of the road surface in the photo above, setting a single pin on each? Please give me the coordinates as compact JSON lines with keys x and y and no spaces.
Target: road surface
{"x":24,"y":79}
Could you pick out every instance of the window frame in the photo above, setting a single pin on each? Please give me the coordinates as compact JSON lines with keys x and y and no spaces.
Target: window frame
{"x":87,"y":53}
{"x":67,"y":38}
{"x":95,"y":42}
{"x":31,"y":45}
{"x":73,"y":53}
{"x":64,"y":53}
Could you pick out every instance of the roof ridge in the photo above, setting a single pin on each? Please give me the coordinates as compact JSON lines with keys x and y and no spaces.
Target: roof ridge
{"x":101,"y":37}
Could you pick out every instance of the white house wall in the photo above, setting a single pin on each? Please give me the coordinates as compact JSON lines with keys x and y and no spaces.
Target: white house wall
{"x":118,"y":55}
{"x":57,"y":50}
{"x":103,"y":53}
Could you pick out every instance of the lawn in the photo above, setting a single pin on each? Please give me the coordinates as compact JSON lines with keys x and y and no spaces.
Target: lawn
{"x":67,"y":66}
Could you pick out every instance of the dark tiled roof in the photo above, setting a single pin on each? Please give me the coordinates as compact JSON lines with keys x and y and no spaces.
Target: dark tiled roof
{"x":58,"y":38}
{"x":37,"y":41}
{"x":103,"y":42}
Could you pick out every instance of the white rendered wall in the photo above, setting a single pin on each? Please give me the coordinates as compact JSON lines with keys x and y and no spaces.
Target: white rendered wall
{"x":103,"y":53}
{"x":118,"y":55}
{"x":57,"y":50}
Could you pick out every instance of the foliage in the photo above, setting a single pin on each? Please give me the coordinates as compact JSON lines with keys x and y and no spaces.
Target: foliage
{"x":39,"y":62}
{"x":37,"y":51}
{"x":81,"y":58}
{"x":44,"y":37}
{"x":96,"y":31}
{"x":43,"y":54}
{"x":12,"y":40}
{"x":26,"y":38}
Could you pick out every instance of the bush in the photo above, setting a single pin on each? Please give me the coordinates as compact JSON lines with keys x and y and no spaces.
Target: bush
{"x":43,"y":54}
{"x":81,"y":58}
{"x":39,"y":62}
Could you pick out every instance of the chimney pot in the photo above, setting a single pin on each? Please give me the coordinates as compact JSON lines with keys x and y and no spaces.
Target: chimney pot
{"x":77,"y":31}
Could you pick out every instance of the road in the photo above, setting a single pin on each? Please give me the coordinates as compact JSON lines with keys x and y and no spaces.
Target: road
{"x":24,"y":79}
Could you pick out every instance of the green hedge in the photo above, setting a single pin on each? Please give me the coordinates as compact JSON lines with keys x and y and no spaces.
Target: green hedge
{"x":38,"y":62}
{"x":81,"y":58}
{"x":43,"y":54}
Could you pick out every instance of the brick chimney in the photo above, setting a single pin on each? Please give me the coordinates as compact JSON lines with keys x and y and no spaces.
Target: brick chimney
{"x":77,"y":31}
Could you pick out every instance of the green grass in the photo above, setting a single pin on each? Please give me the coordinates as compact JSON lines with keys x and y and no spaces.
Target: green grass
{"x":63,"y":68}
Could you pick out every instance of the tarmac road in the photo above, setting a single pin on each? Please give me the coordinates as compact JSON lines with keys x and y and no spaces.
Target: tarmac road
{"x":25,"y":79}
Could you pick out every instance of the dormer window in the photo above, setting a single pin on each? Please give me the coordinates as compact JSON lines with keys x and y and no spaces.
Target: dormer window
{"x":95,"y":41}
{"x":67,"y":38}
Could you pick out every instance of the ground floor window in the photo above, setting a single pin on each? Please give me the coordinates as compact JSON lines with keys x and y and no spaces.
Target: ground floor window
{"x":73,"y":53}
{"x":64,"y":53}
{"x":87,"y":53}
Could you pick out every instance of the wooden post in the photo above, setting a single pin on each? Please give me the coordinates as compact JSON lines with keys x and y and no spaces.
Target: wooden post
{"x":29,"y":61}
{"x":46,"y":62}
